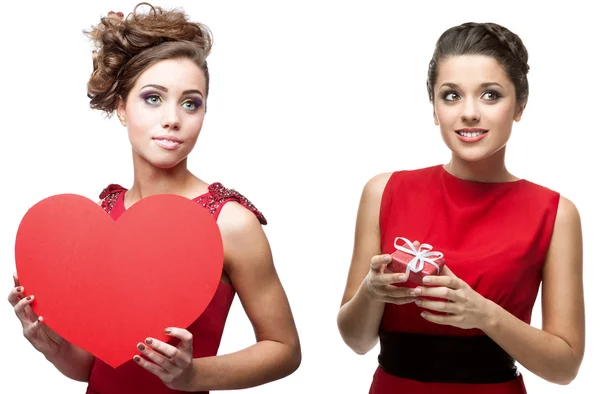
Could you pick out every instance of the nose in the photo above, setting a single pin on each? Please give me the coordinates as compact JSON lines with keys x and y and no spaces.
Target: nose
{"x":170,"y":117}
{"x":470,"y":113}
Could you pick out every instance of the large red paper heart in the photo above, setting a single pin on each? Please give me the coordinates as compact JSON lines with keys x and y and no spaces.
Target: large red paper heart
{"x":106,"y":285}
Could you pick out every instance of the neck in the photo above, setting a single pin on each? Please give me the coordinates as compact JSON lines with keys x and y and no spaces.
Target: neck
{"x":149,"y":180}
{"x":492,"y":169}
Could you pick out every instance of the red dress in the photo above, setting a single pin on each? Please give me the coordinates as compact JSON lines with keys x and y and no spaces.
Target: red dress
{"x":207,"y":330}
{"x":494,"y":236}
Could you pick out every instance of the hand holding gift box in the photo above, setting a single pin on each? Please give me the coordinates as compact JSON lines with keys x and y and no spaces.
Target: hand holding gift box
{"x":415,"y":263}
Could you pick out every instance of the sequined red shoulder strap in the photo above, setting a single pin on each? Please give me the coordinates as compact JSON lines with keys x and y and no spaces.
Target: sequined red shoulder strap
{"x":218,"y":195}
{"x":109,"y":196}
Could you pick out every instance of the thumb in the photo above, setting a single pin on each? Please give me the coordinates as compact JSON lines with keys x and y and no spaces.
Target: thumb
{"x":447,"y":271}
{"x":378,"y":263}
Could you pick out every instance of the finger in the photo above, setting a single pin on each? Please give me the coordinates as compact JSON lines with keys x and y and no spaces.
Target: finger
{"x":185,"y":336}
{"x":449,"y":281}
{"x":446,"y":320}
{"x":20,"y":309}
{"x":379,"y":262}
{"x":447,"y":272}
{"x":437,"y":292}
{"x":440,"y":306}
{"x":395,"y":291}
{"x":387,"y":279}
{"x":31,"y":330}
{"x":16,"y":280}
{"x":398,"y":301}
{"x":15,"y":295}
{"x":156,"y":357}
{"x":165,"y":349}
{"x":150,"y":366}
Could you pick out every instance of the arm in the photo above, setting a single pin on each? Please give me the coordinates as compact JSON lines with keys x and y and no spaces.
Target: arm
{"x":555,"y":352}
{"x":73,"y":362}
{"x":368,"y":288}
{"x":249,"y":264}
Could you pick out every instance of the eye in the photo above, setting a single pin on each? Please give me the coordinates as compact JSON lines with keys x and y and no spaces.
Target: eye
{"x":153,"y":99}
{"x":191,"y":105}
{"x":491,"y":95}
{"x":450,"y":96}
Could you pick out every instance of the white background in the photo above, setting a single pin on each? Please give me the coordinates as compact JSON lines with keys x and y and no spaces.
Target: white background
{"x":308,"y":100}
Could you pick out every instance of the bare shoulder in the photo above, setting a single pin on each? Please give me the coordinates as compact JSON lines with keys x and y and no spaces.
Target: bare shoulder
{"x":244,"y":240}
{"x":246,"y":249}
{"x":567,"y":214}
{"x":375,"y":186}
{"x":237,"y":220}
{"x":566,"y":249}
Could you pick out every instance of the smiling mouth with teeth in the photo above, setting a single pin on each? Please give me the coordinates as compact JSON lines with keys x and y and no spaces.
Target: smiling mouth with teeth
{"x":471,"y":134}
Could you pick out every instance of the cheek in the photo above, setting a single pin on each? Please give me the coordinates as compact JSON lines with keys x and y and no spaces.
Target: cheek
{"x":195,"y":123}
{"x":446,"y":116}
{"x":501,"y":116}
{"x":139,"y":120}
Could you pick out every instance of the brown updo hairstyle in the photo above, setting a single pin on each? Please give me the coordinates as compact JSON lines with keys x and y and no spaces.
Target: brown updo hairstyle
{"x":487,"y":39}
{"x":126,"y":47}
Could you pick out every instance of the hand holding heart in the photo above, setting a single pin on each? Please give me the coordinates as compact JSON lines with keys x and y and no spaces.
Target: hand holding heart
{"x":172,"y":364}
{"x":35,"y":331}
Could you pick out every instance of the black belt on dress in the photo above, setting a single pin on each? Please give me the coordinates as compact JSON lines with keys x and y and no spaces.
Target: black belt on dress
{"x":445,"y":359}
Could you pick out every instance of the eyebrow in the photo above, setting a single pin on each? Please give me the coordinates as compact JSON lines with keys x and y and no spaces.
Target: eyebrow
{"x":483,"y":85}
{"x":162,"y":88}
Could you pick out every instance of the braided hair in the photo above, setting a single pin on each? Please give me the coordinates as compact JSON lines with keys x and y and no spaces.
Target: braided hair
{"x":487,"y":39}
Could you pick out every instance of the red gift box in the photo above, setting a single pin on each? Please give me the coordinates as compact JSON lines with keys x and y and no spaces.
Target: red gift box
{"x":415,"y":263}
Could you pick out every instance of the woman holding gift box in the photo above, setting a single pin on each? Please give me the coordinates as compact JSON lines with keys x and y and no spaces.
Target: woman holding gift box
{"x":151,"y":69}
{"x":462,"y":328}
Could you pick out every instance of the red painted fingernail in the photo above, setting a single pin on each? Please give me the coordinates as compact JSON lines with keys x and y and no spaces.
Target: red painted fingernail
{"x":110,"y":12}
{"x":19,"y":289}
{"x":136,"y":359}
{"x":167,"y":330}
{"x":29,"y":298}
{"x":120,"y":14}
{"x":141,"y":347}
{"x":149,"y":341}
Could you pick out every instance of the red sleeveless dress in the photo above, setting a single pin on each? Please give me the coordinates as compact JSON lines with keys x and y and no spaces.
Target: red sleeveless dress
{"x":494,"y":236}
{"x":207,"y":330}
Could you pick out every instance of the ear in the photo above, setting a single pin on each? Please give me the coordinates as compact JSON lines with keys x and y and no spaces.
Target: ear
{"x":121,"y":111}
{"x":435,"y":118}
{"x":519,"y":112}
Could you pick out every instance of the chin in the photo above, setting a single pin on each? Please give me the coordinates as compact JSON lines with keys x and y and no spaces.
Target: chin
{"x":164,"y":162}
{"x":472,"y":155}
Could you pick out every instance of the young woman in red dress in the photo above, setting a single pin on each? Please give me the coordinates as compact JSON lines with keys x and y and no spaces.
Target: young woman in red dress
{"x":151,"y":69}
{"x":501,"y":236}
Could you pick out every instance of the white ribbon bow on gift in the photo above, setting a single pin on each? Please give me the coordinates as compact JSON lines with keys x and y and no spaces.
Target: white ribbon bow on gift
{"x":422,"y":255}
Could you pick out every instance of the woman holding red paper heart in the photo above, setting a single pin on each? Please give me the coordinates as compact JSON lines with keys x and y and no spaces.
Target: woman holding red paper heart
{"x":151,"y":69}
{"x":462,"y":329}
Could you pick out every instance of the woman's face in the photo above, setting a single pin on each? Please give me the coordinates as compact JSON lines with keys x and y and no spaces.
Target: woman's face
{"x":475,"y":105}
{"x":164,"y":112}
